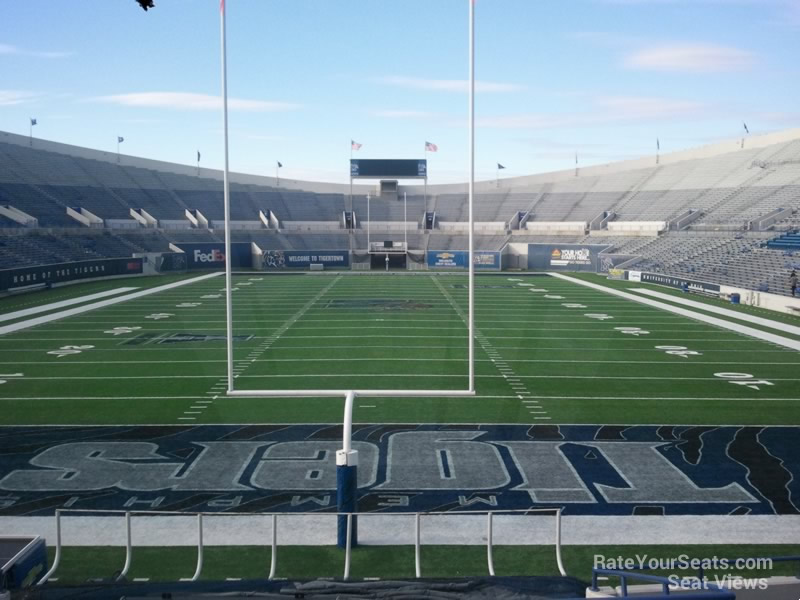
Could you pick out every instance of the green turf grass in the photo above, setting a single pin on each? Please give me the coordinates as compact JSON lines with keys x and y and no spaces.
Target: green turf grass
{"x":396,"y":331}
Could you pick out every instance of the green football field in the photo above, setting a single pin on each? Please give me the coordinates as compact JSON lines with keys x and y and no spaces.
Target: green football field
{"x":547,"y":351}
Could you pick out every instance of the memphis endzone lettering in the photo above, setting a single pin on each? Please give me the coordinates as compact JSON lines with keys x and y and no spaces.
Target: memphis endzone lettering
{"x":214,"y":256}
{"x":542,"y":469}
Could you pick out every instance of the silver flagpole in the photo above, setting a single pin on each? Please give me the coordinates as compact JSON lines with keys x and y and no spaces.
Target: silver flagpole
{"x":227,"y":203}
{"x":471,"y":194}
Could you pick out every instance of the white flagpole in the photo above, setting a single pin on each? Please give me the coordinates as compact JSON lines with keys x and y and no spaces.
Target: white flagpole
{"x":226,"y":189}
{"x":405,"y":219}
{"x":471,"y":325}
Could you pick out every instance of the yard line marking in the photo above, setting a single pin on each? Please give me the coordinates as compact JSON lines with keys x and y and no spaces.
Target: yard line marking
{"x":477,"y":376}
{"x":56,"y":305}
{"x":187,"y":419}
{"x":488,"y":396}
{"x":271,"y":339}
{"x":485,"y":344}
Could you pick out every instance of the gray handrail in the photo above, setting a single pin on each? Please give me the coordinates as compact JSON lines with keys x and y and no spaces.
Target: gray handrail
{"x":274,"y":542}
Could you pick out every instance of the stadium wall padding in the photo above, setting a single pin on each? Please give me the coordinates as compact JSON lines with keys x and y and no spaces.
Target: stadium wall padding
{"x":690,"y":285}
{"x":459,"y":259}
{"x":303,"y":259}
{"x":565,"y":257}
{"x":65,"y":272}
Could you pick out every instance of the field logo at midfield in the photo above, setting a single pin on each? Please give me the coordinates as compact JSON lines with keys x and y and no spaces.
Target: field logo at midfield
{"x":381,"y":304}
{"x":586,"y":469}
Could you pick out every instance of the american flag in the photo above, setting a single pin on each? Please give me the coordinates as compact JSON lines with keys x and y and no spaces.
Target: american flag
{"x":431,"y":147}
{"x":354,"y":145}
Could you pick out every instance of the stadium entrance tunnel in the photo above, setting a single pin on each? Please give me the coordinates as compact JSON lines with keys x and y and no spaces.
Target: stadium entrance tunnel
{"x":395,"y":261}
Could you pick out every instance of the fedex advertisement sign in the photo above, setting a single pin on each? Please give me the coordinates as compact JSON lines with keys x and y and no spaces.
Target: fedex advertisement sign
{"x":211,"y":255}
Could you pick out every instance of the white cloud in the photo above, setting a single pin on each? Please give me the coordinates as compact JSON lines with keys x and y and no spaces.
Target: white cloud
{"x":188,"y":101}
{"x":605,"y":110}
{"x":9,"y":50}
{"x":448,"y":85}
{"x":13,"y":97}
{"x":403,"y":114}
{"x":642,"y":107}
{"x":691,"y":58}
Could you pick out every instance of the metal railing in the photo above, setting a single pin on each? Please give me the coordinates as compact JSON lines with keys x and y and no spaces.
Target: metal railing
{"x":60,"y":513}
{"x":709,"y":590}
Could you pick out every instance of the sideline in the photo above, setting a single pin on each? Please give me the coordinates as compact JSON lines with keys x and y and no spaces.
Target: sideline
{"x":785,"y":327}
{"x":103,"y":303}
{"x":735,"y":327}
{"x":47,"y":307}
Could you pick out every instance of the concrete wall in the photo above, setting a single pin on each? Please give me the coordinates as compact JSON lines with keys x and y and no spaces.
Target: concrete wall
{"x":725,"y":147}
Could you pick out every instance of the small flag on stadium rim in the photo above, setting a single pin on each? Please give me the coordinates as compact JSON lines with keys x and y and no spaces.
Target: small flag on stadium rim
{"x":499,"y":166}
{"x":198,"y":156}
{"x":658,"y":144}
{"x":34,"y":122}
{"x":279,"y":164}
{"x":745,"y":127}
{"x":354,"y":145}
{"x":576,"y":158}
{"x":120,"y":139}
{"x":431,"y":147}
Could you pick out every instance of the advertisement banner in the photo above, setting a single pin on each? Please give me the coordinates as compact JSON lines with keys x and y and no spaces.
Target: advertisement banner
{"x":211,"y":255}
{"x":63,"y":272}
{"x":564,"y":257}
{"x":618,"y":274}
{"x":459,"y":259}
{"x":635,"y":276}
{"x":688,"y":285}
{"x":303,"y":259}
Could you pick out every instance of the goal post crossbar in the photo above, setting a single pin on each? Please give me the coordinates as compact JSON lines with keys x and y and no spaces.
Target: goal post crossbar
{"x":342,"y":393}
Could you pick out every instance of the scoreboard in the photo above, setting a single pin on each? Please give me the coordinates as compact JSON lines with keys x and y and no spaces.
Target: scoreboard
{"x":388,"y":168}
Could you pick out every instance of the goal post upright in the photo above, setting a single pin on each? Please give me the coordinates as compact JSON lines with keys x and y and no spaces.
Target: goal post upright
{"x":471,"y":271}
{"x":227,"y":203}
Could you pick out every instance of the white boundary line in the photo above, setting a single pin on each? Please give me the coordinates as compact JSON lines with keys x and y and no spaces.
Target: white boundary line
{"x":82,"y":309}
{"x":17,"y":314}
{"x":735,"y":327}
{"x":785,"y":327}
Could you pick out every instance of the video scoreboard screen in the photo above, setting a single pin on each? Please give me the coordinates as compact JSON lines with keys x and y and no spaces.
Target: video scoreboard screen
{"x":388,"y":168}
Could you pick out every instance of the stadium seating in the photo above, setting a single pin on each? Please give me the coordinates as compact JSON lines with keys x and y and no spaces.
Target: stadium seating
{"x":729,"y":192}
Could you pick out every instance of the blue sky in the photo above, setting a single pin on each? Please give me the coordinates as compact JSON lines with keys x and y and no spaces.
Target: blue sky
{"x":604,"y":78}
